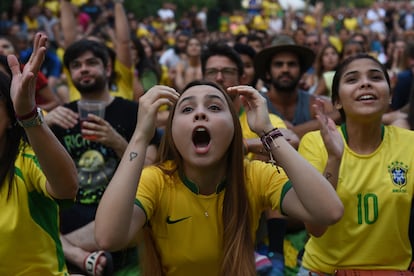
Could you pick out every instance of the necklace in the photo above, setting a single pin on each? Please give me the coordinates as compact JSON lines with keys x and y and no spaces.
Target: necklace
{"x":203,"y":207}
{"x":209,"y":199}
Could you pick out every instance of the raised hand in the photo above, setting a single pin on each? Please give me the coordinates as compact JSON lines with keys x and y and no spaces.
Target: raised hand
{"x":255,"y":107}
{"x":24,"y":83}
{"x":149,"y":105}
{"x":331,"y":137}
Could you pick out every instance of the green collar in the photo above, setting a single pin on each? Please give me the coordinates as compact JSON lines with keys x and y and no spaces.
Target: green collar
{"x":194,"y":188}
{"x":345,"y":133}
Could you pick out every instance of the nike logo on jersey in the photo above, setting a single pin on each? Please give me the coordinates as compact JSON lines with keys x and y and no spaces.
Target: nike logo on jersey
{"x":169,"y":221}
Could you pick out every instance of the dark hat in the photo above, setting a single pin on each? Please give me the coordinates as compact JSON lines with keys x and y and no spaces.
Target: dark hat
{"x":282,"y":43}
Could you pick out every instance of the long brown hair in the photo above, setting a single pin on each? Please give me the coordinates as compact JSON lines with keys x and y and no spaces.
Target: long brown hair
{"x":238,"y":246}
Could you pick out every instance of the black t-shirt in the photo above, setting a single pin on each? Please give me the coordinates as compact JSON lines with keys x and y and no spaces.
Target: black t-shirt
{"x":95,"y":162}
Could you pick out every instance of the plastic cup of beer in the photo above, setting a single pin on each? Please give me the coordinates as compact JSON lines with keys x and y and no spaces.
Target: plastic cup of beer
{"x":86,"y":107}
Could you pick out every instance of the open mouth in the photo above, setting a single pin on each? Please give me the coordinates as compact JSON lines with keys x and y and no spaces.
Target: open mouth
{"x":366,"y":97}
{"x":201,"y":137}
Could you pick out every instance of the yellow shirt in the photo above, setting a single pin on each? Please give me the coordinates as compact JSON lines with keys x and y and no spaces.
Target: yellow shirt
{"x":351,"y":24}
{"x":271,"y":8}
{"x":189,"y":241}
{"x":53,"y":6}
{"x":79,"y":2}
{"x":29,"y":223}
{"x":377,"y":192}
{"x":249,"y":134}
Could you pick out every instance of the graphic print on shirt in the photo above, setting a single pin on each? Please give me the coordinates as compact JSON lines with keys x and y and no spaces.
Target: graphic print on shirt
{"x":94,"y":174}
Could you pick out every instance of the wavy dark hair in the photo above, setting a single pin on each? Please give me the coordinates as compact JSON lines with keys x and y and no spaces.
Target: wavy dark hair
{"x":340,"y":71}
{"x":218,"y":48}
{"x":145,"y":63}
{"x":238,"y":246}
{"x":13,"y":135}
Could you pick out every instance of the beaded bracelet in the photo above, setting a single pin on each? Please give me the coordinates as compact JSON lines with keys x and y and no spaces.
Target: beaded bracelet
{"x":267,"y":140}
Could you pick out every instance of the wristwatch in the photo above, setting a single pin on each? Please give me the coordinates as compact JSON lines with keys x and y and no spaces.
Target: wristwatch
{"x":268,"y":138}
{"x":36,"y":120}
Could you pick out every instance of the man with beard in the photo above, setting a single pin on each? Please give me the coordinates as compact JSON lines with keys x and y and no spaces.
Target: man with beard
{"x":88,"y":65}
{"x":281,"y":67}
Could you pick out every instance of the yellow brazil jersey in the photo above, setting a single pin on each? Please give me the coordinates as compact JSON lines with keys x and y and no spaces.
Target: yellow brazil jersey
{"x":187,"y":226}
{"x":327,"y":21}
{"x":377,"y":191}
{"x":271,"y":8}
{"x":310,"y":21}
{"x":260,"y":23}
{"x":29,"y":231}
{"x":121,"y":88}
{"x":31,"y":23}
{"x":336,"y":42}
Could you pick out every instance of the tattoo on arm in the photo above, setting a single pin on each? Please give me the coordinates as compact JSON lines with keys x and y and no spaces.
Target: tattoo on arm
{"x":328,"y":176}
{"x":132,"y":155}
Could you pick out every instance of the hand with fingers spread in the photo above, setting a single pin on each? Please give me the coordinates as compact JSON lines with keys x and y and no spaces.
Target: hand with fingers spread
{"x":255,"y":107}
{"x":34,"y":163}
{"x":332,"y":138}
{"x":149,"y":105}
{"x":24,"y":83}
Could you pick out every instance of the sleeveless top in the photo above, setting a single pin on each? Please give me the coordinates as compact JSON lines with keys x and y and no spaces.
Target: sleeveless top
{"x":302,"y":112}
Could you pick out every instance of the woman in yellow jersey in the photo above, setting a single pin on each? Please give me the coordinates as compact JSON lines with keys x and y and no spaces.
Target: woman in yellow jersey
{"x":35,"y":178}
{"x":200,"y":206}
{"x":370,"y":166}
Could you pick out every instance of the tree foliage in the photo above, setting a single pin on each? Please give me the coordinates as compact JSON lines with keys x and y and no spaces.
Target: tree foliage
{"x":329,"y":4}
{"x":146,"y":8}
{"x":142,"y":8}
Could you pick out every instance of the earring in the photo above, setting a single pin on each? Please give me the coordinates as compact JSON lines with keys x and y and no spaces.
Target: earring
{"x":338,"y":106}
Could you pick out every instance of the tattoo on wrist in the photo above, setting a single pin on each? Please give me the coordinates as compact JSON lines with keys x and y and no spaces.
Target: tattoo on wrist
{"x":328,"y":176}
{"x":132,"y":155}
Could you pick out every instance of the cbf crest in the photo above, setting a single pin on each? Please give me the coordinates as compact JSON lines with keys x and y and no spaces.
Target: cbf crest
{"x":398,"y":172}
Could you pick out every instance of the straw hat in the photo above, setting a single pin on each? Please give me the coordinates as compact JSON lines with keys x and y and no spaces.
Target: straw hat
{"x":282,"y":43}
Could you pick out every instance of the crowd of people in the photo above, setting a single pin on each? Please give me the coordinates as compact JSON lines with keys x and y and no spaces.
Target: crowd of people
{"x":263,"y":141}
